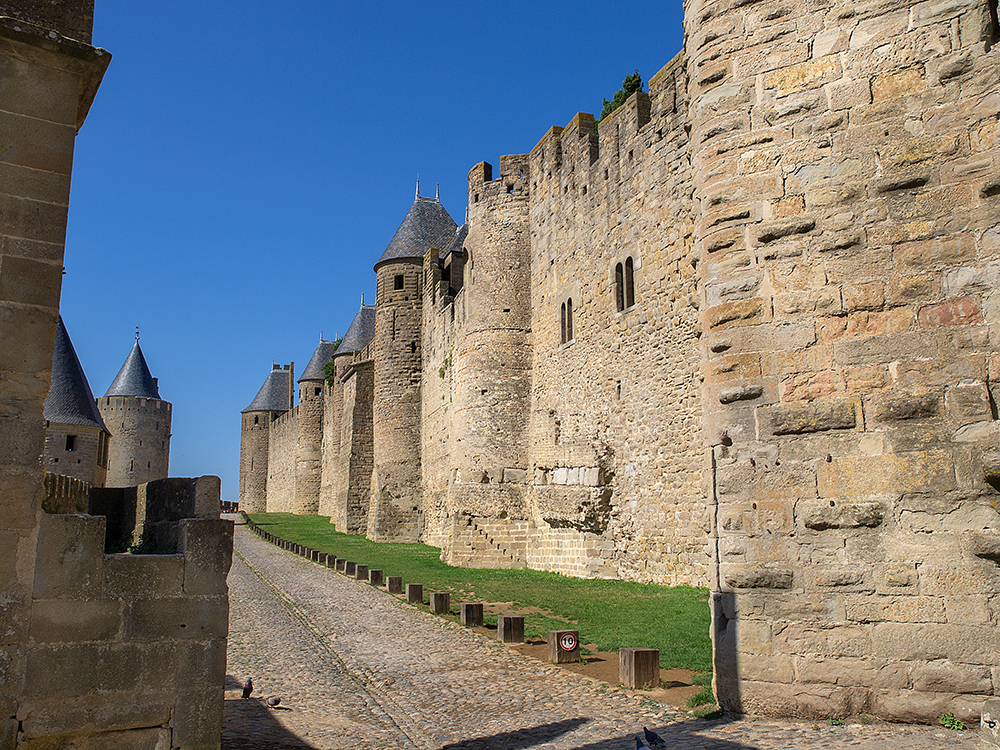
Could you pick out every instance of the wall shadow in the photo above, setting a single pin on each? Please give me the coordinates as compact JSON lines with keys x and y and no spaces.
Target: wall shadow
{"x":521,"y":738}
{"x":681,"y":734}
{"x":252,"y":725}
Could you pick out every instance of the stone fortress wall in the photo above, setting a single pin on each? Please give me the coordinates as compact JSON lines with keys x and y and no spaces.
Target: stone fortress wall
{"x":740,"y":336}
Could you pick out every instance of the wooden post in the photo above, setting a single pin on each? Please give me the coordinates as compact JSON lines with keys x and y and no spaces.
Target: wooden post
{"x":415,"y":593}
{"x":331,"y":561}
{"x":340,"y":564}
{"x":440,"y":603}
{"x":394,"y":584}
{"x":639,"y":668}
{"x":349,"y":568}
{"x":510,"y":629}
{"x":361,"y":572}
{"x":375,"y":577}
{"x":564,"y":646}
{"x":472,"y":615}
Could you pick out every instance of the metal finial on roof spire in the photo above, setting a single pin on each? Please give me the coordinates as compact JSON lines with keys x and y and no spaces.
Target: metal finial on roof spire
{"x":437,"y":193}
{"x":362,"y":299}
{"x":418,"y":187}
{"x":137,"y":334}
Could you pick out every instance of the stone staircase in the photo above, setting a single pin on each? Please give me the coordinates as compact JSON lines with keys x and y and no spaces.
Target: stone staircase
{"x":487,"y":543}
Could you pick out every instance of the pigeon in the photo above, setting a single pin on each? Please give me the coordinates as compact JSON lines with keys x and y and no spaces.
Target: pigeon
{"x":248,"y":687}
{"x":273,"y":701}
{"x":653,"y":738}
{"x":640,"y":745}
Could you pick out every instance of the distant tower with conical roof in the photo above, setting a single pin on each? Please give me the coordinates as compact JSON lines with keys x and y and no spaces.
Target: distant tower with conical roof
{"x":309,"y":457}
{"x":76,"y":438}
{"x":395,"y":509}
{"x":139,"y":421}
{"x":272,"y":400}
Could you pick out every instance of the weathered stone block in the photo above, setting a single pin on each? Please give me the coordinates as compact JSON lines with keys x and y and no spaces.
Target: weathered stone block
{"x":73,"y":563}
{"x":989,"y":729}
{"x":197,"y":717}
{"x":830,"y":513}
{"x":888,"y":474}
{"x":61,"y":671}
{"x":88,"y":714}
{"x":798,"y":419}
{"x":183,"y":619}
{"x":758,"y":578}
{"x":68,"y":621}
{"x":127,"y":739}
{"x":207,"y":545}
{"x":142,"y":576}
{"x":142,"y":666}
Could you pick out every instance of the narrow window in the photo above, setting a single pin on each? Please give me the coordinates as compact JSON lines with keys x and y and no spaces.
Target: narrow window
{"x":317,"y":391}
{"x":569,"y":319}
{"x":629,"y":283}
{"x":397,"y":282}
{"x":619,"y":288}
{"x":71,"y":442}
{"x":991,"y":32}
{"x":562,"y":324}
{"x":131,"y":465}
{"x":255,"y":419}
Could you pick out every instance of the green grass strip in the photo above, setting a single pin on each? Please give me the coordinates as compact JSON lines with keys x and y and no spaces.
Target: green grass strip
{"x":612,"y":614}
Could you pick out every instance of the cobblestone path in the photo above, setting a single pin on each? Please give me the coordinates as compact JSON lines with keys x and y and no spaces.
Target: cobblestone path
{"x":357,"y":668}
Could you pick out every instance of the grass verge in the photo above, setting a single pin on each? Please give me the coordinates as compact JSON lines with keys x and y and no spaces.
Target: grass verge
{"x":612,"y":614}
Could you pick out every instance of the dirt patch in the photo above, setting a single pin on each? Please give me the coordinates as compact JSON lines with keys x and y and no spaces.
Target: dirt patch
{"x":675,"y":684}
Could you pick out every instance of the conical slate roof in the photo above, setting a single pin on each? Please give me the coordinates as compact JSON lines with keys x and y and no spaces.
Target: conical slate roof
{"x":322,"y":355}
{"x":426,"y":225}
{"x":70,"y":400}
{"x":134,"y":378}
{"x":362,"y":331}
{"x":274,"y":394}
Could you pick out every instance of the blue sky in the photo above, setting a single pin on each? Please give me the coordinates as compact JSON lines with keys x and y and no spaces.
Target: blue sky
{"x":244,"y":166}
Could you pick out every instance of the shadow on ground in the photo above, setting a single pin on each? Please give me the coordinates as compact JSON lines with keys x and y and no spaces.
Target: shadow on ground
{"x":683,"y":734}
{"x":252,"y":725}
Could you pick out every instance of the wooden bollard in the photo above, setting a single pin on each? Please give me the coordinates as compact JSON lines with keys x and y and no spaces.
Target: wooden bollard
{"x":314,"y":555}
{"x":415,"y":593}
{"x":331,"y":561}
{"x":564,"y":646}
{"x":394,"y":584}
{"x":340,"y":564}
{"x":440,"y":602}
{"x":510,"y":628}
{"x":471,"y":614}
{"x":375,"y":577}
{"x":349,"y":568}
{"x":361,"y":572}
{"x":639,"y":668}
{"x":321,"y":558}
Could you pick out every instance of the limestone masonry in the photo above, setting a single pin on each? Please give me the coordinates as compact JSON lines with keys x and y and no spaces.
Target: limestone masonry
{"x":742,"y":335}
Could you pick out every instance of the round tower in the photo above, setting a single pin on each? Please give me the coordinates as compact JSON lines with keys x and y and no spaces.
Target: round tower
{"x":396,"y":497}
{"x":139,"y":421}
{"x":272,"y":400}
{"x":309,"y":457}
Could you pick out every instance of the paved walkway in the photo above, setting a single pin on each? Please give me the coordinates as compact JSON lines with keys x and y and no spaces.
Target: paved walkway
{"x":357,"y":668}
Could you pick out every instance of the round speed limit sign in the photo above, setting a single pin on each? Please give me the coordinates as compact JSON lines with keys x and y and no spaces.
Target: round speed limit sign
{"x":568,"y":641}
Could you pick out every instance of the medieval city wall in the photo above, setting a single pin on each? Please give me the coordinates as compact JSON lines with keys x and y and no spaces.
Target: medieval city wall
{"x":333,"y":404}
{"x":615,"y":432}
{"x":254,"y":454}
{"x":282,"y":454}
{"x":356,"y":455}
{"x":139,"y":450}
{"x":308,"y":460}
{"x":848,"y":197}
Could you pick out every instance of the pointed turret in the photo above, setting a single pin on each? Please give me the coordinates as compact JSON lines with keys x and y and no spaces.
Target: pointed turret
{"x":272,"y":400}
{"x":323,"y":354}
{"x":76,"y":438}
{"x":139,"y":421}
{"x":360,"y":332}
{"x":427,"y":224}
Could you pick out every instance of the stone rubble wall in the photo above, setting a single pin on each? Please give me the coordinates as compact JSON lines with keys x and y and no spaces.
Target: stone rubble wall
{"x":308,"y":460}
{"x":848,"y":187}
{"x":333,"y":404}
{"x":254,"y":454}
{"x":356,"y":457}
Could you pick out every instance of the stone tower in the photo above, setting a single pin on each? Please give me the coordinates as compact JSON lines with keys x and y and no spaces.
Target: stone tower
{"x":844,"y":161}
{"x":347,"y":429}
{"x":308,"y":459}
{"x":272,"y":400}
{"x":396,"y":496}
{"x":139,"y":421}
{"x":76,"y":438}
{"x":492,"y":351}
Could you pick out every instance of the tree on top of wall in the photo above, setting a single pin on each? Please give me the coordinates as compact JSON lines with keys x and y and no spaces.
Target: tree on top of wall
{"x":329,"y":369}
{"x":631,"y":84}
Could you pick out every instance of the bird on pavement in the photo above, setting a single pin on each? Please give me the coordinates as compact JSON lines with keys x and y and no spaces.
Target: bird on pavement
{"x":248,"y":687}
{"x":273,"y":701}
{"x":653,"y":738}
{"x":640,"y":745}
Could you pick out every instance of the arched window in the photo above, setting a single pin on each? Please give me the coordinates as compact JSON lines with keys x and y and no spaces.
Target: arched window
{"x":562,"y":324}
{"x":629,"y":283}
{"x":569,"y":319}
{"x":619,"y":288}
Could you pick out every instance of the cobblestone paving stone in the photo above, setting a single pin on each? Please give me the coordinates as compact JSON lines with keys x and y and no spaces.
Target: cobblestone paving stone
{"x":358,"y":668}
